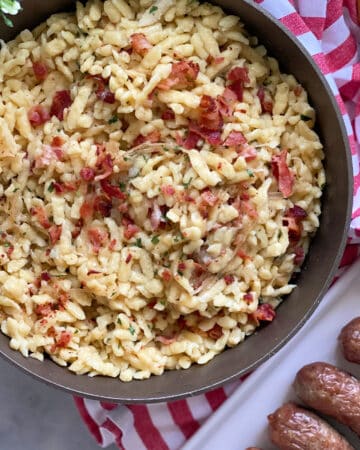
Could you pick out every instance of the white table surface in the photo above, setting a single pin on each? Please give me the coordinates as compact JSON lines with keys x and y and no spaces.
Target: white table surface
{"x":35,"y":416}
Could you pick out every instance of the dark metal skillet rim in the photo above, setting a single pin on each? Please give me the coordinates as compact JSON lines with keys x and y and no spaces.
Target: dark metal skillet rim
{"x":52,"y":374}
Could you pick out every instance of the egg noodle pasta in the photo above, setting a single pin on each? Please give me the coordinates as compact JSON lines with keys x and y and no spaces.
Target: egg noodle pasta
{"x":160,"y":181}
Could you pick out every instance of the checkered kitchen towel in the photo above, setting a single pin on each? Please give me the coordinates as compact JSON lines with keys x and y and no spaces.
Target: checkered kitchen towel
{"x":330,"y":31}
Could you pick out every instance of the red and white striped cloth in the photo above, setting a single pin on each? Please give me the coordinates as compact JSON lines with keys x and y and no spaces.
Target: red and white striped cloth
{"x":330,"y":31}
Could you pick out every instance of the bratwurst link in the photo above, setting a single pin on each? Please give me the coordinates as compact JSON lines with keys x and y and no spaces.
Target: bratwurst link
{"x":330,"y":391}
{"x":350,"y":340}
{"x":295,"y":428}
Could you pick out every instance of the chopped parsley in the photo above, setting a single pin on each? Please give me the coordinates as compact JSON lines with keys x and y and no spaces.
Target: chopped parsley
{"x":113,"y":119}
{"x":322,"y":187}
{"x":132,"y":330}
{"x":137,"y":243}
{"x":122,"y":186}
{"x":119,"y":321}
{"x":51,"y":187}
{"x":153,"y":9}
{"x":163,"y":302}
{"x":187,"y":184}
{"x":155,"y":240}
{"x":16,"y":189}
{"x":305,"y":118}
{"x":250,"y":173}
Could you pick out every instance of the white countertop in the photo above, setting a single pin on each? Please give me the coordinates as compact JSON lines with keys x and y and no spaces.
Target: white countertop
{"x":35,"y":416}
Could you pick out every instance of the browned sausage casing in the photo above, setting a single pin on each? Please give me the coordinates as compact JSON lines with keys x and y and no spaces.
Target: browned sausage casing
{"x":350,"y":340}
{"x":295,"y":428}
{"x":330,"y":391}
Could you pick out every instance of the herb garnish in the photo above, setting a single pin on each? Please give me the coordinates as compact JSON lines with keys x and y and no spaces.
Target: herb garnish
{"x":305,"y":118}
{"x":113,"y":119}
{"x":187,"y":184}
{"x":250,"y":173}
{"x":155,"y":240}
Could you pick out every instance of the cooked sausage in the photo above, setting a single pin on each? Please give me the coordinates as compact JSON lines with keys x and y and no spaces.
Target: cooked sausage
{"x":350,"y":340}
{"x":330,"y":391}
{"x":295,"y":428}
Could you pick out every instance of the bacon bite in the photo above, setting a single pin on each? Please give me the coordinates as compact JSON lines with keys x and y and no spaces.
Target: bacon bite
{"x":183,"y":75}
{"x":283,"y":174}
{"x":140,"y":44}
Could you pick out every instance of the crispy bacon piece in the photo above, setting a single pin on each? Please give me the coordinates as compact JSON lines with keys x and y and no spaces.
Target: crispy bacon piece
{"x":266,"y":105}
{"x":293,"y":220}
{"x":140,"y":44}
{"x":41,"y":70}
{"x":62,"y":300}
{"x":298,"y":90}
{"x":242,"y":255}
{"x":248,"y":152}
{"x":103,"y":205}
{"x":61,"y":341}
{"x":105,"y":94}
{"x":209,"y":198}
{"x":168,"y":114}
{"x":166,"y":275}
{"x":40,"y":213}
{"x":57,"y":141}
{"x":62,"y":188}
{"x":77,"y":228}
{"x":87,"y":174}
{"x":183,"y":74}
{"x":38,"y":115}
{"x":215,"y":332}
{"x":191,"y":141}
{"x":102,"y":91}
{"x":50,"y":154}
{"x":44,"y":309}
{"x":61,"y":101}
{"x":234,"y":139}
{"x":209,"y":114}
{"x":227,"y":102}
{"x":87,"y":209}
{"x":245,"y":207}
{"x":152,"y":137}
{"x":104,"y":163}
{"x":249,"y":209}
{"x":238,"y":88}
{"x":168,"y":190}
{"x":128,"y":258}
{"x":239,"y":74}
{"x":213,"y":137}
{"x":130,"y":229}
{"x":297,"y":213}
{"x":166,"y":340}
{"x":229,"y":279}
{"x":111,"y":190}
{"x":299,"y":255}
{"x":55,"y":233}
{"x":248,"y":298}
{"x":283,"y":174}
{"x":264,"y":313}
{"x":97,"y":237}
{"x":215,"y":61}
